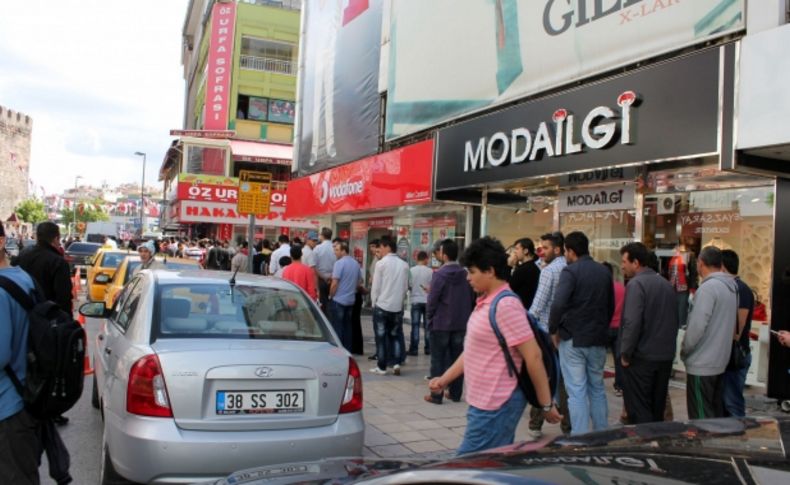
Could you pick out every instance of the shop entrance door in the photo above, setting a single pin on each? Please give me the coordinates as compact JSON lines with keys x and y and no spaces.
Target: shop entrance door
{"x":608,"y":231}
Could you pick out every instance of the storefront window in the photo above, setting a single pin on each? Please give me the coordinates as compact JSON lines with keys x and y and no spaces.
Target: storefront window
{"x":205,"y":160}
{"x":678,"y":225}
{"x":532,"y":221}
{"x":608,"y":231}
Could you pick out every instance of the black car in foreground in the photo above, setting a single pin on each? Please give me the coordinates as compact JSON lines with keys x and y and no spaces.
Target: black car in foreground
{"x":716,"y":451}
{"x":81,"y":254}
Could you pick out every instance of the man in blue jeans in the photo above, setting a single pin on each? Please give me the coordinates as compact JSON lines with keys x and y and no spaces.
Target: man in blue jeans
{"x":579,"y":325}
{"x":390,"y":283}
{"x":346,"y":277}
{"x":419,"y":283}
{"x":735,"y":379}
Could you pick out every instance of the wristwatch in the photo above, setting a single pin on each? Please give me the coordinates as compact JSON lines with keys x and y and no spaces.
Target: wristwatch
{"x":547,"y":408}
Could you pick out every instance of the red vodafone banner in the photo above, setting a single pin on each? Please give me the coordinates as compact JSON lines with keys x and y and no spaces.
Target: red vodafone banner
{"x":391,"y":179}
{"x":220,"y":53}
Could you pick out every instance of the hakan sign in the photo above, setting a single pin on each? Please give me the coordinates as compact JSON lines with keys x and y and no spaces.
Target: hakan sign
{"x":220,"y":55}
{"x":218,"y":213}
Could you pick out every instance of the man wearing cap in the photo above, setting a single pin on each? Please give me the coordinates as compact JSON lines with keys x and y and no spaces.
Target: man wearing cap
{"x":311,"y":241}
{"x":146,"y":251}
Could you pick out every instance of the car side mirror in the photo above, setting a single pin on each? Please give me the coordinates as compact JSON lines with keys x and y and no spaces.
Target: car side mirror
{"x":95,"y":310}
{"x":102,"y":278}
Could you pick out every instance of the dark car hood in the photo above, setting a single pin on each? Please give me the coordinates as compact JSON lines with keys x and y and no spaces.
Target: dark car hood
{"x":719,"y":451}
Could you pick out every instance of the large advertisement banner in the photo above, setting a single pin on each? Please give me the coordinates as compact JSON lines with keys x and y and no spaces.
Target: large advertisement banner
{"x":391,"y":179}
{"x":220,"y":54}
{"x":209,"y":188}
{"x":338,"y":100}
{"x":495,"y":51}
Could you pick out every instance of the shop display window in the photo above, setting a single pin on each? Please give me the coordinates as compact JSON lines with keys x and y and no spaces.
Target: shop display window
{"x":532,"y":221}
{"x":608,"y":231}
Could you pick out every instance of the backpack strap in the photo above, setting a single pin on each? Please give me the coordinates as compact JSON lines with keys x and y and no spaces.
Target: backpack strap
{"x":27,"y":303}
{"x":16,"y":293}
{"x":511,"y":366}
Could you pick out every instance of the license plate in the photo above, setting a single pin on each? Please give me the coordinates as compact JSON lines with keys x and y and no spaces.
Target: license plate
{"x":260,"y":402}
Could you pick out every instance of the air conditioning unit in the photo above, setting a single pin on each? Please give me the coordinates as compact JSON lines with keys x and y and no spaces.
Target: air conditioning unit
{"x":666,"y":204}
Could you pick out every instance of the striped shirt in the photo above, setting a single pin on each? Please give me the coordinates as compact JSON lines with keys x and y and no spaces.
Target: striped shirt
{"x":488,"y":385}
{"x":544,"y":296}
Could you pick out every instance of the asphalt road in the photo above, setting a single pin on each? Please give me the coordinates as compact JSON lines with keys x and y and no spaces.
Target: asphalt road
{"x":82,"y":435}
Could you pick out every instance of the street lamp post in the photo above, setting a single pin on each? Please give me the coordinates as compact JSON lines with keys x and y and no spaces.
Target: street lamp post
{"x":74,"y":207}
{"x":142,"y":196}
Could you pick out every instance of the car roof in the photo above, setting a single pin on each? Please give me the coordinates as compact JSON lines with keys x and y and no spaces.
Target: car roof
{"x":219,"y":277}
{"x":84,"y":244}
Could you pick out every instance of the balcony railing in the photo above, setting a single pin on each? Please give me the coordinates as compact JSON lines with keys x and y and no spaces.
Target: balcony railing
{"x":286,"y":4}
{"x":268,"y":65}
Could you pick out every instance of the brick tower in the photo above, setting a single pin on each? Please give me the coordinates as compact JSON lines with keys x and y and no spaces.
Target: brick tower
{"x":15,"y":135}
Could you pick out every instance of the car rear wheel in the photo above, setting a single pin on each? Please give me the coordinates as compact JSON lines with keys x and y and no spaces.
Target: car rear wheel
{"x":95,"y":394}
{"x":107,"y":473}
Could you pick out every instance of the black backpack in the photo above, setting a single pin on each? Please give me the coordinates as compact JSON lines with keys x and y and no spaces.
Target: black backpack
{"x":550,"y":361}
{"x":55,"y":355}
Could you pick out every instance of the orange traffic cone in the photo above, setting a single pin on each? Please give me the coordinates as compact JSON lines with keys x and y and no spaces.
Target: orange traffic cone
{"x":81,"y":319}
{"x":87,"y":369}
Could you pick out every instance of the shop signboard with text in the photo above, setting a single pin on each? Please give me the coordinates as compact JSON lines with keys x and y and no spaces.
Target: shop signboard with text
{"x":210,"y":188}
{"x":391,"y":179}
{"x":661,"y":112}
{"x":189,"y":211}
{"x":220,"y":56}
{"x":618,"y":197}
{"x":497,"y":51}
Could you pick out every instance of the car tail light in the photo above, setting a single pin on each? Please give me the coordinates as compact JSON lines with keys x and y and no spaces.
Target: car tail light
{"x":352,"y":397}
{"x":146,"y":393}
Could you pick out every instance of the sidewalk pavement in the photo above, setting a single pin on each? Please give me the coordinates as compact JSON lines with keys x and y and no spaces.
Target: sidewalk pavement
{"x":399,"y":423}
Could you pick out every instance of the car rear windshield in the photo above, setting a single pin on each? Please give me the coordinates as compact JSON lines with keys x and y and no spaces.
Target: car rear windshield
{"x":112,"y":260}
{"x":83,"y":248}
{"x":245,"y":312}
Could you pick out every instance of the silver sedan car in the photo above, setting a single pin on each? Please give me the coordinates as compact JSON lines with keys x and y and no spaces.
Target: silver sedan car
{"x":199,"y":374}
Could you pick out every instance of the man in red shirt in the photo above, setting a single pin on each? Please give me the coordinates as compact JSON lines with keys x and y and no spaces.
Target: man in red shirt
{"x":300,"y":274}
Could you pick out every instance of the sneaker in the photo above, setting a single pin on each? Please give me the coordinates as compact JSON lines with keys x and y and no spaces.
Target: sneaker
{"x":378,"y":371}
{"x":395,"y":370}
{"x":428,"y":378}
{"x":535,"y":434}
{"x":373,"y":357}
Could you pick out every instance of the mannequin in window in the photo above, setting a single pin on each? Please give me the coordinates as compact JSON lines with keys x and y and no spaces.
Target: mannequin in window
{"x":682,"y":275}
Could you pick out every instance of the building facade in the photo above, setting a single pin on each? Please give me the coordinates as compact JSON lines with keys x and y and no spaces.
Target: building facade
{"x":16,"y":130}
{"x":239,"y":63}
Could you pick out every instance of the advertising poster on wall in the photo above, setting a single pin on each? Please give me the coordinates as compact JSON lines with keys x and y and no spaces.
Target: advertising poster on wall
{"x":496,"y":51}
{"x":338,"y":99}
{"x":259,"y":108}
{"x":281,"y":111}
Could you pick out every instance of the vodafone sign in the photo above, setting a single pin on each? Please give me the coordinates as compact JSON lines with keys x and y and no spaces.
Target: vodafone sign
{"x":391,"y":179}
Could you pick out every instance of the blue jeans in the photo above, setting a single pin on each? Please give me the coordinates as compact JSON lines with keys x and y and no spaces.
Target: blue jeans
{"x":341,"y":322}
{"x":417,"y":321}
{"x":734,"y":382}
{"x":491,"y":429}
{"x":582,"y":370}
{"x":389,"y":333}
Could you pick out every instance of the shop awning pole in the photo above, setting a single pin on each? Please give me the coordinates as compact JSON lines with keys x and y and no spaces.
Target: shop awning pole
{"x":250,"y":236}
{"x":484,"y":214}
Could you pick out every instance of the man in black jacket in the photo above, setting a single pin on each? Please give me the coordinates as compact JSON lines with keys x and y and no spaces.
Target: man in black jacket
{"x":525,"y":277}
{"x":648,"y":336}
{"x":45,"y":263}
{"x":579,"y":324}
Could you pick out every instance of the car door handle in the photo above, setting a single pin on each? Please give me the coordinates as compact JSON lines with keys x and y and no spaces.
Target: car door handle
{"x":108,"y":351}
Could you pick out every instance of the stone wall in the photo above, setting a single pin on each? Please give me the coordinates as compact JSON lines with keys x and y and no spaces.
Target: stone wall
{"x":15,"y":136}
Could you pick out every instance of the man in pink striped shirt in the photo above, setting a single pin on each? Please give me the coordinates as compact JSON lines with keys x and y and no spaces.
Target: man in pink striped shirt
{"x":496,"y":403}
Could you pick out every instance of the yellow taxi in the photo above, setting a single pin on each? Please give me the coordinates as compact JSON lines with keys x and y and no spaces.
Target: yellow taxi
{"x":126,"y":269}
{"x":101,"y":271}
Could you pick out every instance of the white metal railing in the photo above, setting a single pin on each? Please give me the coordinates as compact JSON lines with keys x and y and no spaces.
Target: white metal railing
{"x":267,"y":64}
{"x":287,"y":4}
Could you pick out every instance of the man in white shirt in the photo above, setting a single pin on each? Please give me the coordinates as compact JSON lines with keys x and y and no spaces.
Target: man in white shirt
{"x":390,"y":283}
{"x":325,"y":258}
{"x":419,"y":283}
{"x":283,"y":250}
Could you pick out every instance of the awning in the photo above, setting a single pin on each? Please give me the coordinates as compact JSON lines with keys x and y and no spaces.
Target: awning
{"x":251,"y":151}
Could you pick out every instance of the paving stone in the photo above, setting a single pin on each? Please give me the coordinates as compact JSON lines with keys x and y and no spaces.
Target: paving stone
{"x":379,"y":419}
{"x":397,"y":427}
{"x":406,"y":436}
{"x":391,"y":451}
{"x":424,"y":424}
{"x":450,"y":443}
{"x":440,"y":433}
{"x":452,"y":422}
{"x":425,"y":446}
{"x":374,"y":437}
